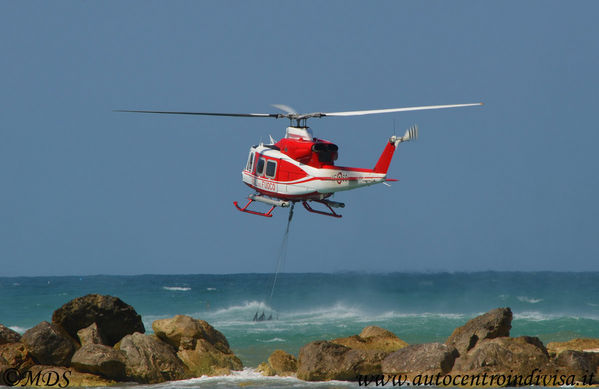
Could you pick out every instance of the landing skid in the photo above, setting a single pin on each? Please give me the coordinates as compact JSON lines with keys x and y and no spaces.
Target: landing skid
{"x":266,"y":200}
{"x":327,"y":204}
{"x":244,"y":209}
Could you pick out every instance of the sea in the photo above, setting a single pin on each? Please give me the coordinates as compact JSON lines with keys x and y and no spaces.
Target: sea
{"x":417,"y":307}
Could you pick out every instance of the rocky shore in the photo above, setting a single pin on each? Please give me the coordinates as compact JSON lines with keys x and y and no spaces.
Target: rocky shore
{"x":98,"y":340}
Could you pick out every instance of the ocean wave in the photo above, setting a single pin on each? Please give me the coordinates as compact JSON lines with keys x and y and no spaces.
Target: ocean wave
{"x":250,"y":376}
{"x":526,"y":299}
{"x":177,"y":288}
{"x":20,"y":330}
{"x":273,"y":340}
{"x":542,"y":316}
{"x":210,"y":289}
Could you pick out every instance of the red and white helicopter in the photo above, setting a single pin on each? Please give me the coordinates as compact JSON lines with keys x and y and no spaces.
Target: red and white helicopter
{"x":302,"y":168}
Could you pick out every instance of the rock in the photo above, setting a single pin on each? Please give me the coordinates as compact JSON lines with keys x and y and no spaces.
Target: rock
{"x":15,"y":355}
{"x":427,"y":358}
{"x":323,"y":361}
{"x":113,"y":317}
{"x":61,"y":377}
{"x":8,"y":336}
{"x":203,"y":349}
{"x":48,"y":344}
{"x":207,"y":359}
{"x":579,"y":363}
{"x":265,"y":369}
{"x":282,"y":363}
{"x":186,"y":329}
{"x":373,"y":338}
{"x":493,"y":324}
{"x":504,"y":355}
{"x":150,"y":360}
{"x":100,"y":359}
{"x":90,"y":335}
{"x":578,"y":344}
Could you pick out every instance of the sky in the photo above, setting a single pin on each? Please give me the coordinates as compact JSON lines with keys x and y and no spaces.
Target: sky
{"x":509,"y":186}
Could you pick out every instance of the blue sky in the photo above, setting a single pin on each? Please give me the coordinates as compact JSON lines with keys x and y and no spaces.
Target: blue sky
{"x":509,"y":186}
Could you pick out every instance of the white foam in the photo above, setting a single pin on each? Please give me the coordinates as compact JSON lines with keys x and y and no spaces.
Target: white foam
{"x":177,"y":288}
{"x":210,"y":289}
{"x":526,"y":299}
{"x":20,"y":330}
{"x":251,"y":376}
{"x":272,"y":340}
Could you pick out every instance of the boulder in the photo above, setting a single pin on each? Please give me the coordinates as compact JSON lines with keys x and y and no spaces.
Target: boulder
{"x":100,"y":359}
{"x":182,"y":328}
{"x":206,"y":359}
{"x":15,"y":355}
{"x":203,"y":349}
{"x":427,"y":358}
{"x":8,"y":336}
{"x":282,"y":363}
{"x":504,"y":355}
{"x":579,"y":363}
{"x":61,"y":377}
{"x":578,"y":344}
{"x":265,"y":369}
{"x":113,"y":317}
{"x":373,"y":338}
{"x":48,"y":344}
{"x":150,"y":360}
{"x":493,"y":324}
{"x":323,"y":361}
{"x":90,"y":335}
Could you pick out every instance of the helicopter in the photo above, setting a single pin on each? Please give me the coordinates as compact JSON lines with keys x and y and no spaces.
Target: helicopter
{"x":301,"y":167}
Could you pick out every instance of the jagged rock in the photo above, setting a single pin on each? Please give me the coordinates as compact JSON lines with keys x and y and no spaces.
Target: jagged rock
{"x":504,"y":355}
{"x":100,"y":359}
{"x":578,"y":344}
{"x":323,"y":361}
{"x":150,"y":360}
{"x":48,"y":344}
{"x":373,"y":338}
{"x":113,"y":317}
{"x":15,"y":355}
{"x":427,"y":358}
{"x":8,"y":336}
{"x":282,"y":363}
{"x":493,"y":324}
{"x":90,"y":335}
{"x":62,"y":377}
{"x":185,"y":329}
{"x":203,"y":349}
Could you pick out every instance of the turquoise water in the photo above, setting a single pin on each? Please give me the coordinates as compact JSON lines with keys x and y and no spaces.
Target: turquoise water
{"x":416,"y":307}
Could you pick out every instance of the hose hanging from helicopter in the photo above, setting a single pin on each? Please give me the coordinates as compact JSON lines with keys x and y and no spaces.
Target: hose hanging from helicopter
{"x":282,"y":255}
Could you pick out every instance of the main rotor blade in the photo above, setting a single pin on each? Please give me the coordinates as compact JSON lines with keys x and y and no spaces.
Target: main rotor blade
{"x":389,"y":110}
{"x":285,"y":108}
{"x":251,"y":115}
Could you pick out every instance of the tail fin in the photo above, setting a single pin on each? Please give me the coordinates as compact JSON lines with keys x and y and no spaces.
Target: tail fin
{"x":384,"y":161}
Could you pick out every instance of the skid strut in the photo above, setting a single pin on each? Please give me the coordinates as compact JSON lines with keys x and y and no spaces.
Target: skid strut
{"x":328,"y":204}
{"x":262,"y":199}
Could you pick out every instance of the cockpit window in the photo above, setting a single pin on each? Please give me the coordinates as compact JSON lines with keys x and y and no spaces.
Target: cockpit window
{"x":250,"y":163}
{"x":260,"y":167}
{"x":271,"y":169}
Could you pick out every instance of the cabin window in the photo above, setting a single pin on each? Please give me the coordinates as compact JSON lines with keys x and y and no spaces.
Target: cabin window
{"x":250,"y":164}
{"x":260,"y":167}
{"x":271,"y":169}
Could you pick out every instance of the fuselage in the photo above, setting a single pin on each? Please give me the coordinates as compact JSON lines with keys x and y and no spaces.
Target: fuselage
{"x":300,"y":167}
